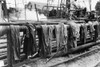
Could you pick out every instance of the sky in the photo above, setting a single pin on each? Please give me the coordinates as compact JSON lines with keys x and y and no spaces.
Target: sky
{"x":20,"y":3}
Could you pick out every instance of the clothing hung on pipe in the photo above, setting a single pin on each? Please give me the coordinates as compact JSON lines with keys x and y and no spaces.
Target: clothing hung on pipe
{"x":57,"y":30}
{"x":91,"y":30}
{"x":30,"y":46}
{"x":66,"y":37}
{"x":75,"y":30}
{"x":43,"y":48}
{"x":61,"y":31}
{"x":82,"y":35}
{"x":51,"y":37}
{"x":97,"y":30}
{"x":13,"y":38}
{"x":71,"y":39}
{"x":46,"y":34}
{"x":63,"y":37}
{"x":85,"y":32}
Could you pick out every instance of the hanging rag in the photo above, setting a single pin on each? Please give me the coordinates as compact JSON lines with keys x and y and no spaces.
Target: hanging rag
{"x":57,"y":30}
{"x":30,"y":46}
{"x":51,"y":37}
{"x":91,"y":31}
{"x":66,"y":37}
{"x":75,"y":30}
{"x":43,"y":49}
{"x":85,"y":32}
{"x":97,"y":30}
{"x":13,"y":36}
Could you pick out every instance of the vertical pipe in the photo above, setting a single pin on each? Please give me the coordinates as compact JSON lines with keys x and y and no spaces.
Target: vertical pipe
{"x":61,"y":9}
{"x":36,"y":12}
{"x":15,"y":8}
{"x":68,"y":6}
{"x":1,"y":12}
{"x":9,"y":50}
{"x":47,"y":8}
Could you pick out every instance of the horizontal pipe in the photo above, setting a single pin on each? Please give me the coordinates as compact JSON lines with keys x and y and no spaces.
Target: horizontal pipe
{"x":23,"y":22}
{"x":75,"y":49}
{"x":83,"y":46}
{"x":72,"y":50}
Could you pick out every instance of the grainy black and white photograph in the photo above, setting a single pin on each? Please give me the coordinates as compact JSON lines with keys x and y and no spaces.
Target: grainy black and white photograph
{"x":49,"y":33}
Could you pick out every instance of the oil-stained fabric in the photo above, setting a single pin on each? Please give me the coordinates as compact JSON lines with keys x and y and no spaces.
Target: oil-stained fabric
{"x":91,"y":26}
{"x":57,"y":30}
{"x":46,"y":33}
{"x":61,"y":36}
{"x":43,"y":49}
{"x":75,"y":32}
{"x":51,"y":37}
{"x":98,"y":26}
{"x":25,"y":43}
{"x":91,"y":31}
{"x":78,"y":30}
{"x":70,"y":38}
{"x":85,"y":31}
{"x":30,"y":46}
{"x":66,"y":37}
{"x":14,"y":39}
{"x":97,"y":30}
{"x":82,"y":35}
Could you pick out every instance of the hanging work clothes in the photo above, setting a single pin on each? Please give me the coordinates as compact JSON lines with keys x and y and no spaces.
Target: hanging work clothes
{"x":82,"y":35}
{"x":61,"y":36}
{"x":70,"y":38}
{"x":51,"y":37}
{"x":97,"y":30}
{"x":91,"y":26}
{"x":66,"y":37}
{"x":46,"y":34}
{"x":46,"y":38}
{"x":13,"y":37}
{"x":75,"y":32}
{"x":30,"y":46}
{"x":91,"y":29}
{"x":43,"y":49}
{"x":57,"y":30}
{"x":85,"y":33}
